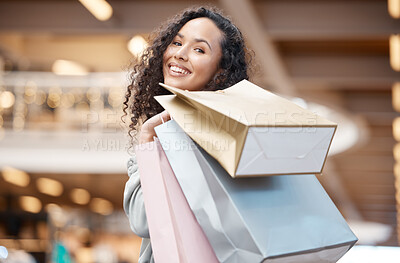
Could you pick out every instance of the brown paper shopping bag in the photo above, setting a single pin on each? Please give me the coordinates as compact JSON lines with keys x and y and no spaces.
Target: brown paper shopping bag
{"x":251,"y":131}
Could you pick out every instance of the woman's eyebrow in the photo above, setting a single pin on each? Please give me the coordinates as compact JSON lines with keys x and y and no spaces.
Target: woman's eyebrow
{"x":196,"y":39}
{"x":203,"y":40}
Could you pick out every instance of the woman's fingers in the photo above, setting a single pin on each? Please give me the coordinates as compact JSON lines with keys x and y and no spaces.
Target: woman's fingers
{"x":147,"y":132}
{"x":158,"y":119}
{"x":165,"y":116}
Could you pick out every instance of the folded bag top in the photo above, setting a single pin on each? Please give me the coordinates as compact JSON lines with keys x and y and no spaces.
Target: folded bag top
{"x":251,"y":131}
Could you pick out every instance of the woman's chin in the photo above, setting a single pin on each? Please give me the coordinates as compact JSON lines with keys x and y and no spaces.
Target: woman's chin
{"x":184,"y":84}
{"x":177,"y":83}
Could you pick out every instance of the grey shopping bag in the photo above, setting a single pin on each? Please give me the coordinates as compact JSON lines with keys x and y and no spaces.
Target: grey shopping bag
{"x":287,"y":218}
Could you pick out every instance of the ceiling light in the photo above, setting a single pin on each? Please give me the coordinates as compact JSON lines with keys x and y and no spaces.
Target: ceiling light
{"x":396,"y":152}
{"x":370,"y":233}
{"x":30,"y":204}
{"x":396,"y":129}
{"x":101,"y":9}
{"x":369,"y":254}
{"x":80,"y":196}
{"x":396,"y":96}
{"x":15,"y":176}
{"x":67,"y":67}
{"x":396,"y":171}
{"x":137,"y":45}
{"x":101,"y":206}
{"x":394,"y":43}
{"x":49,"y":186}
{"x":3,"y":252}
{"x":394,"y":8}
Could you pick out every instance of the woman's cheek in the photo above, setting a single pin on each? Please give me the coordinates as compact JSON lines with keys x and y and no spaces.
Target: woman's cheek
{"x":167,"y":54}
{"x":201,"y":64}
{"x":207,"y":67}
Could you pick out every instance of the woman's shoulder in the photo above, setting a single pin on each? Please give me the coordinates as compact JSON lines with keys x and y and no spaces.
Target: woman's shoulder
{"x":132,"y":164}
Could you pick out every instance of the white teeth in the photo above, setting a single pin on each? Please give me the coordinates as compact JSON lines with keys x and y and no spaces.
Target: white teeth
{"x":179,"y":70}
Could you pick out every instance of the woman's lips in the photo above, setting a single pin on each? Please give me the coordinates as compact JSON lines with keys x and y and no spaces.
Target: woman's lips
{"x":177,"y":70}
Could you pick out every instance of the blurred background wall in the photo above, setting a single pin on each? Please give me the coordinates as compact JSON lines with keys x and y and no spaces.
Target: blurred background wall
{"x":63,"y":149}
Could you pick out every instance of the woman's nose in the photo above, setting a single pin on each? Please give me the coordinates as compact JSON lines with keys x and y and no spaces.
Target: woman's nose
{"x":181,"y":54}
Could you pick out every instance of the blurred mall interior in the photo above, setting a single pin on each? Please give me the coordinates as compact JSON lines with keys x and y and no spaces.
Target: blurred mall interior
{"x":64,"y":67}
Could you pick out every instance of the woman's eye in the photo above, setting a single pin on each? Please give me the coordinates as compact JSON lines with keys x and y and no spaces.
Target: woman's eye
{"x":176,"y":43}
{"x":200,"y":50}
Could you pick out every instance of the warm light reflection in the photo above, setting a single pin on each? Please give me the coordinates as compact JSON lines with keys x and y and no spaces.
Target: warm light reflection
{"x":101,"y":206}
{"x":397,"y":181}
{"x":396,"y":152}
{"x":40,"y":97}
{"x":30,"y":204}
{"x":54,"y":100}
{"x":396,"y":128}
{"x":30,"y":88}
{"x":85,"y":254}
{"x":49,"y":186}
{"x":18,"y":123}
{"x":93,"y":94}
{"x":115,"y":97}
{"x":15,"y":176}
{"x":66,"y":67}
{"x":137,"y":45}
{"x":67,"y":100}
{"x":7,"y":99}
{"x":30,"y":92}
{"x":394,"y":43}
{"x":100,"y":9}
{"x":80,"y":196}
{"x":394,"y":8}
{"x":29,"y":99}
{"x":396,"y":96}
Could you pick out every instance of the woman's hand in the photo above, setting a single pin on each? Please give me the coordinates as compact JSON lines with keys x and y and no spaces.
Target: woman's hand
{"x":147,"y":131}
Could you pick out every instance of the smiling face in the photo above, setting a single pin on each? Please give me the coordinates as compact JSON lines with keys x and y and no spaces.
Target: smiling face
{"x":191,"y":60}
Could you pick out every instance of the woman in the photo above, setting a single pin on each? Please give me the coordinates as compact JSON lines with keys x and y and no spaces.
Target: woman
{"x":199,"y":49}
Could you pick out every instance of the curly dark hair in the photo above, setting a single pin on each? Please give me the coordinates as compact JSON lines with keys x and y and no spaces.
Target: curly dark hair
{"x":144,"y":78}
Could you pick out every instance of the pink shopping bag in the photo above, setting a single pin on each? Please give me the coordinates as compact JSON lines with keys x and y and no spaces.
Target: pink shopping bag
{"x":175,"y":234}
